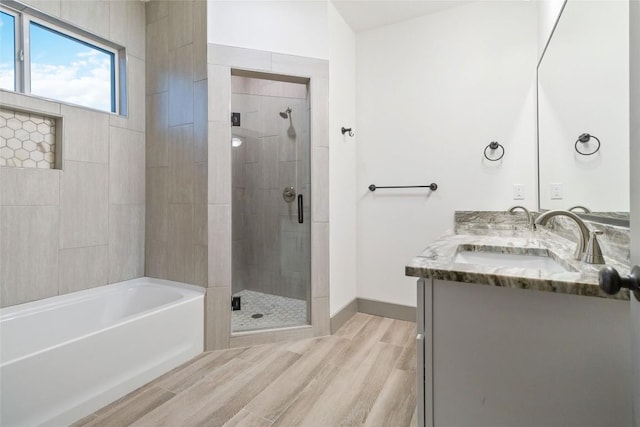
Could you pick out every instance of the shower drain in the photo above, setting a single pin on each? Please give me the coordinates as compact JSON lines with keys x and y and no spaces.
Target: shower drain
{"x":257,"y":315}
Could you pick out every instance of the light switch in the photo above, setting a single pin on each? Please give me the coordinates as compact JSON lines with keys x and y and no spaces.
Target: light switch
{"x":518,"y":192}
{"x":556,"y":191}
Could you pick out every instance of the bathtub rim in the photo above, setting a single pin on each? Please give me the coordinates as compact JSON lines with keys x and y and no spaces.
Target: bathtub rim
{"x":9,"y":312}
{"x":189,"y":293}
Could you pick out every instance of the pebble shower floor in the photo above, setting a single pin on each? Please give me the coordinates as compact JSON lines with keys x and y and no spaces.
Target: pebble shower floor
{"x":277,"y":312}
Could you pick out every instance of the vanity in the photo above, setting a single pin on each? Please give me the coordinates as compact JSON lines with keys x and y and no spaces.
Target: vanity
{"x":513,"y":331}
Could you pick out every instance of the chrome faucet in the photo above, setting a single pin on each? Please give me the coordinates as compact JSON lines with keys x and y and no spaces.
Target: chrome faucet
{"x":583,"y":208}
{"x":512,"y":209}
{"x":583,"y":235}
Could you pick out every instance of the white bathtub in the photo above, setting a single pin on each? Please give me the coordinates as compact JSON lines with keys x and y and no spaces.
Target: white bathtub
{"x":62,"y":358}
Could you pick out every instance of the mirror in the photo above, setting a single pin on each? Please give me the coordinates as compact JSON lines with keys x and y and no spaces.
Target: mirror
{"x":583,"y":88}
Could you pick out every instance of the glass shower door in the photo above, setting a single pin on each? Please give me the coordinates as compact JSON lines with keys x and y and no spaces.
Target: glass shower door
{"x":270,"y":205}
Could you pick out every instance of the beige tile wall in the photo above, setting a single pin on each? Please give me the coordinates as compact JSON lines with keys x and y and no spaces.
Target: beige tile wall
{"x":85,"y":226}
{"x":82,"y":226}
{"x":176,"y":242}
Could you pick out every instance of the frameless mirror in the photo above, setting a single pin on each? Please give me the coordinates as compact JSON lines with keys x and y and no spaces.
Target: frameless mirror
{"x":583,"y":88}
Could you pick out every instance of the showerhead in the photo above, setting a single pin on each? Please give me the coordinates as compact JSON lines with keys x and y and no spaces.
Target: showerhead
{"x":285,"y":114}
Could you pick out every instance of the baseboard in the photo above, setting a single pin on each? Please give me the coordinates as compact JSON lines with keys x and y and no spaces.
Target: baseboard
{"x":387,"y":309}
{"x":376,"y":308}
{"x":343,"y":315}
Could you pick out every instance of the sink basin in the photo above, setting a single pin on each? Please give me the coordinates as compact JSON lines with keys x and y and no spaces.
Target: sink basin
{"x":495,"y":257}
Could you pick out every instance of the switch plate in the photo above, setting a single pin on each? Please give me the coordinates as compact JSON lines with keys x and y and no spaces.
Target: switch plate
{"x":556,"y":191}
{"x":518,"y":192}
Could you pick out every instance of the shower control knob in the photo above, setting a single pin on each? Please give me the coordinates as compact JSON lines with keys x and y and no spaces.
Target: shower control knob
{"x":289,"y":194}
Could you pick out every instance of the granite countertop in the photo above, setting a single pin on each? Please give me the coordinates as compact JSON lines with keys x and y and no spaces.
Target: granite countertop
{"x":437,"y":261}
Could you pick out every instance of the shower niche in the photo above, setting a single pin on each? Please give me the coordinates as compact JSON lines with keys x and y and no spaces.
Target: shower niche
{"x":271,"y":194}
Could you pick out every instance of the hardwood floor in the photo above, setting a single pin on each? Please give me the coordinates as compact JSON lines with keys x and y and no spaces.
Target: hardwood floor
{"x":363,"y":375}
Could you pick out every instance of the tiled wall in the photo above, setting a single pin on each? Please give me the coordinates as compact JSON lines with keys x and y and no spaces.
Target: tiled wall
{"x":176,"y":141}
{"x":27,"y":140}
{"x":82,"y":226}
{"x":271,"y":250}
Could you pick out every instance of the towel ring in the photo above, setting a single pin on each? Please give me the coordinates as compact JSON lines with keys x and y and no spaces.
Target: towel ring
{"x":493,"y":145}
{"x":584,"y":138}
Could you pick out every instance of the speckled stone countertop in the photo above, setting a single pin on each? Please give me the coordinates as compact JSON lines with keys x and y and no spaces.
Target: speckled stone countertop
{"x":437,"y":261}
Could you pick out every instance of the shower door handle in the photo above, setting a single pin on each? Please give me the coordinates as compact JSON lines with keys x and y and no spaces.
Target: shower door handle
{"x":300,"y":214}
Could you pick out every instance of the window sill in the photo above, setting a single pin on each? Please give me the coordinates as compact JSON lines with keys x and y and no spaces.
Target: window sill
{"x":39,"y":104}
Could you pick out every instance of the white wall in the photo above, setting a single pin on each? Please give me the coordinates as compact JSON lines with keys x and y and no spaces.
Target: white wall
{"x":432,"y":93}
{"x":441,"y":77}
{"x":342,"y":158}
{"x":548,"y":12}
{"x":292,"y":27}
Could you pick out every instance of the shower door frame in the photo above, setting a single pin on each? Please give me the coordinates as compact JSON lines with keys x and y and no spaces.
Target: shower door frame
{"x":222,"y":62}
{"x":290,"y":109}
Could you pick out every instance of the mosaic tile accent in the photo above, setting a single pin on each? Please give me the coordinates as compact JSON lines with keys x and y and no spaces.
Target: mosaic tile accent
{"x":27,"y":140}
{"x":277,"y":312}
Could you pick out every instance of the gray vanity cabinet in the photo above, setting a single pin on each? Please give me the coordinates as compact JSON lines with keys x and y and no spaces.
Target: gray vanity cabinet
{"x":494,"y":356}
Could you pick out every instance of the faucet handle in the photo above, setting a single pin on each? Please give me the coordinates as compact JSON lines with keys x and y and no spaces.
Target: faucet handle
{"x":593,"y":254}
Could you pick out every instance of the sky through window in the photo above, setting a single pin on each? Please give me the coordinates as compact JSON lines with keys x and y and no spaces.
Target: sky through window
{"x":69,"y":70}
{"x":62,"y":67}
{"x":7,"y":50}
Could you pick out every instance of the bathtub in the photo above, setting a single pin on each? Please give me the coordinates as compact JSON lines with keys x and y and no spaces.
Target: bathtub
{"x":64,"y":357}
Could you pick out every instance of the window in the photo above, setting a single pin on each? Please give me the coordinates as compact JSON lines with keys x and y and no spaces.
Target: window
{"x":7,"y":51}
{"x":68,"y":69}
{"x":52,"y":60}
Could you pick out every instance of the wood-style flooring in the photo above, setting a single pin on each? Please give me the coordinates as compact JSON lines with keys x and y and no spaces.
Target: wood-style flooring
{"x":364,"y":374}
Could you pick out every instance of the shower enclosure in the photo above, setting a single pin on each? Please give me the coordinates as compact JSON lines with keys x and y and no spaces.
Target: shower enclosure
{"x":271,"y":182}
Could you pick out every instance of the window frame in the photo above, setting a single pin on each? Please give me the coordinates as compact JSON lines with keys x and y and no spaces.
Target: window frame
{"x":17,"y":65}
{"x":24,"y":16}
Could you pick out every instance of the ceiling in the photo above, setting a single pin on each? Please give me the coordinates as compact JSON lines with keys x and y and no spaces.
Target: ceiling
{"x":362,"y":15}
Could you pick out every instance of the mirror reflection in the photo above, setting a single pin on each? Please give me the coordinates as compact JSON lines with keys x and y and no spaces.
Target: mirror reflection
{"x":583,"y":109}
